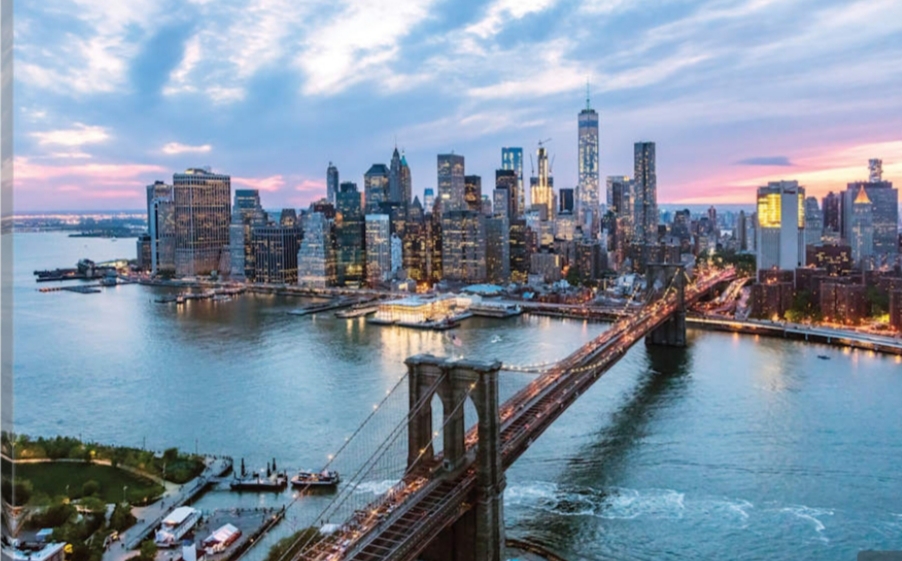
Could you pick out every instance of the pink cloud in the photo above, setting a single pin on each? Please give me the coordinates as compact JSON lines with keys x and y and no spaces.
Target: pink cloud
{"x":25,"y":169}
{"x":270,"y":184}
{"x":311,"y":186}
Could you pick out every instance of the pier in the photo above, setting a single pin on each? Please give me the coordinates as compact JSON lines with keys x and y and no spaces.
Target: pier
{"x":320,"y":307}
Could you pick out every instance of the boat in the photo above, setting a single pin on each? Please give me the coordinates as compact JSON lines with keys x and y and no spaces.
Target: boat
{"x":823,"y":357}
{"x":257,"y":482}
{"x":496,"y":339}
{"x":221,"y":298}
{"x":180,"y":299}
{"x":325,"y":478}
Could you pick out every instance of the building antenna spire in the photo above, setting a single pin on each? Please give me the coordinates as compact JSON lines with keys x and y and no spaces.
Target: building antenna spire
{"x":587,"y":94}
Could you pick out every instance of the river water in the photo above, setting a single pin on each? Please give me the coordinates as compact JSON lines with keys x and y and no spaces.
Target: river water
{"x":736,"y":447}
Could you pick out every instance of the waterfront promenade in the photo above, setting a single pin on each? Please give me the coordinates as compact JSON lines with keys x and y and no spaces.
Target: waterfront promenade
{"x":150,"y":516}
{"x":820,"y":334}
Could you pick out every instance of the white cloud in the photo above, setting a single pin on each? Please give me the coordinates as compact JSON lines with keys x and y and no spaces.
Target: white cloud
{"x":503,"y":11}
{"x":79,"y":135}
{"x":171,"y":148}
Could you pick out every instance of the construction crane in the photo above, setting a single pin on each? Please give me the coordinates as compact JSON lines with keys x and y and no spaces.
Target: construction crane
{"x":542,"y":142}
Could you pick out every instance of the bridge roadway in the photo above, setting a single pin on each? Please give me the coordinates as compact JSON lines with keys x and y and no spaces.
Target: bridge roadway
{"x":401,"y":524}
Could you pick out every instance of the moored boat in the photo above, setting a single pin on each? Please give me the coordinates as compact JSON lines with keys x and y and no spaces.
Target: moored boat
{"x":325,"y":478}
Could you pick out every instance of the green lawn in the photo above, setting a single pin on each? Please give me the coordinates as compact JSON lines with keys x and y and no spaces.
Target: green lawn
{"x":52,"y":478}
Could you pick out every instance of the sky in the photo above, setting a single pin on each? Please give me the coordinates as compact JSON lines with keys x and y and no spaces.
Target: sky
{"x":111,"y":96}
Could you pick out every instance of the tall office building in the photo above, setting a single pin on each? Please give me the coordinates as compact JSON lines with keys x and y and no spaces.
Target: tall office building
{"x":541,"y":185}
{"x":507,"y":180}
{"x":247,"y":213}
{"x":331,"y":183}
{"x":406,"y":184}
{"x":814,"y":222}
{"x":451,"y":182}
{"x":742,"y":231}
{"x":203,"y":209}
{"x":399,"y":185}
{"x":349,"y":236}
{"x":463,"y":246}
{"x":512,"y":159}
{"x":831,"y":207}
{"x":161,"y":228}
{"x":587,"y":189}
{"x":473,"y":192}
{"x":316,"y":255}
{"x":378,"y":249}
{"x":519,"y":250}
{"x":565,"y":201}
{"x":497,"y":249}
{"x":500,"y":202}
{"x":288,"y":218}
{"x":375,"y":187}
{"x":645,"y":195}
{"x":861,"y":229}
{"x":428,"y":200}
{"x":885,"y":213}
{"x":276,"y":254}
{"x":781,"y":226}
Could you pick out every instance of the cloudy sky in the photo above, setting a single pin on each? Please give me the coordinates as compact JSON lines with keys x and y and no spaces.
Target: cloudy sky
{"x":112,"y":95}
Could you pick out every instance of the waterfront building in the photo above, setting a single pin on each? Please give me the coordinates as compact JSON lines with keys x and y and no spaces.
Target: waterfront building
{"x":415,"y":310}
{"x":843,"y":303}
{"x":512,"y":160}
{"x":473,"y":192}
{"x":587,"y":187}
{"x":332,"y":183}
{"x":451,"y":182}
{"x":349,"y":236}
{"x":497,"y":249}
{"x":144,"y":262}
{"x":428,"y":199}
{"x":895,"y":310}
{"x":781,"y":226}
{"x":161,"y":228}
{"x":463,"y":246}
{"x":378,"y":249}
{"x":375,"y":187}
{"x":203,"y":209}
{"x":247,"y":213}
{"x":316,"y":255}
{"x":814,"y":222}
{"x":542,"y":185}
{"x":276,"y":254}
{"x":546,"y":265}
{"x":176,"y":524}
{"x":645,"y":195}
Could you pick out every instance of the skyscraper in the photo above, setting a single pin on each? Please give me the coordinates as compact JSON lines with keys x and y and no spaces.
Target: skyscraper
{"x":885,"y":213}
{"x":451,"y":182}
{"x":428,"y":200}
{"x":406,"y":184}
{"x":247,"y":213}
{"x":203,"y":209}
{"x":316,"y":255}
{"x":331,"y":183}
{"x":473,"y":192}
{"x":861,"y":229}
{"x":276,"y":253}
{"x":497,"y":249}
{"x":395,"y":194}
{"x":506,"y":179}
{"x":378,"y":249}
{"x":565,"y":201}
{"x":814,"y":222}
{"x":463,"y":246}
{"x":375,"y":187}
{"x":645,"y":195}
{"x":161,"y":227}
{"x":541,"y":185}
{"x":781,"y":226}
{"x":349,"y":234}
{"x":830,"y":206}
{"x":512,"y":159}
{"x":587,"y":189}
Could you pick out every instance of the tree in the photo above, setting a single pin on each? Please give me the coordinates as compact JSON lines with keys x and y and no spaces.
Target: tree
{"x":148,"y":550}
{"x":170,"y":455}
{"x":122,"y":517}
{"x":90,"y":488}
{"x":93,"y":504}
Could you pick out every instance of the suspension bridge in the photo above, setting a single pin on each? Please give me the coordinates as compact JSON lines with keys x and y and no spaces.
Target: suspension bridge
{"x":447,"y":504}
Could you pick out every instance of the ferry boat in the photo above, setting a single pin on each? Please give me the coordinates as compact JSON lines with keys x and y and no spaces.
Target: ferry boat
{"x":325,"y":478}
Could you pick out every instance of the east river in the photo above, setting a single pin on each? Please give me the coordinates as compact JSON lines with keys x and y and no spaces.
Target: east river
{"x":735,"y":448}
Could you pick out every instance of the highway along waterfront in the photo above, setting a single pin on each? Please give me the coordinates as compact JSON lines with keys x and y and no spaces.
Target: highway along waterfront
{"x":738,"y":446}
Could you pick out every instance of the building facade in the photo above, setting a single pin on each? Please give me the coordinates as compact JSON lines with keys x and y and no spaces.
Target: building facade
{"x":203,"y":210}
{"x":451,"y":182}
{"x":378,"y":249}
{"x":316,"y":254}
{"x":587,"y":189}
{"x":463,"y":246}
{"x":512,"y":159}
{"x":781,"y":226}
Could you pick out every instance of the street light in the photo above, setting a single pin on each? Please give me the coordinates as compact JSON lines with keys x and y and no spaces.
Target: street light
{"x":124,"y":488}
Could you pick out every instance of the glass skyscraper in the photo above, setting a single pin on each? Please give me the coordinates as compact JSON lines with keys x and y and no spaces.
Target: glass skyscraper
{"x":451,"y":182}
{"x":645,"y":195}
{"x":331,"y":183}
{"x":512,"y":159}
{"x":587,"y":188}
{"x":203,"y":209}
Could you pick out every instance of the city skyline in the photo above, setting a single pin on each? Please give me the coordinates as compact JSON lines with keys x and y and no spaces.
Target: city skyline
{"x":160,"y":90}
